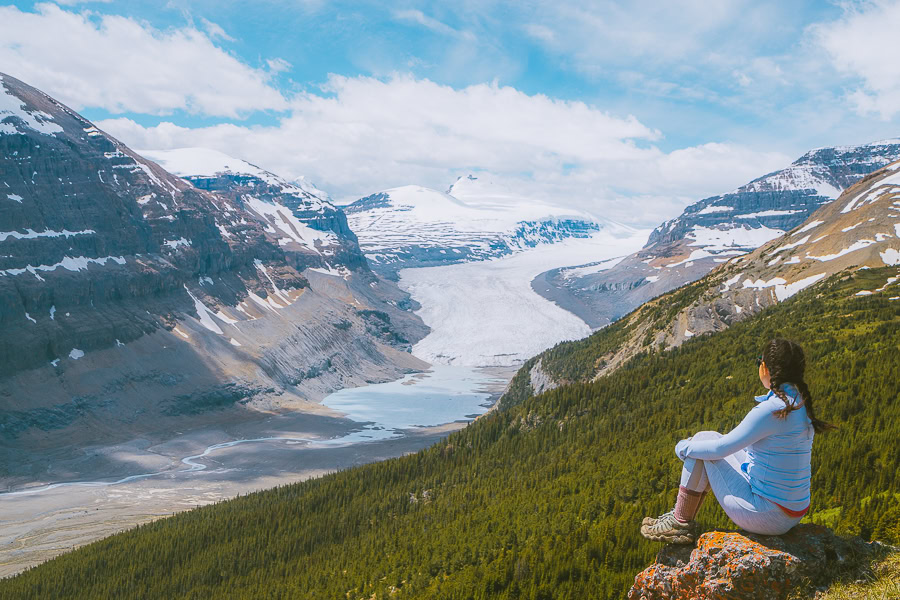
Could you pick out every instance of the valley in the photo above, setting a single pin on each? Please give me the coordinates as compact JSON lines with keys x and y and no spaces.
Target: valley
{"x":487,"y":313}
{"x":485,"y":320}
{"x":123,"y":485}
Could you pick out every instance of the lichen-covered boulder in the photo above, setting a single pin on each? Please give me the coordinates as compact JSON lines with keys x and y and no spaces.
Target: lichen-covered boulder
{"x":727,"y":565}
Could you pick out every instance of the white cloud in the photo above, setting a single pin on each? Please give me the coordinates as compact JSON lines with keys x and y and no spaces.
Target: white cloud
{"x":417,"y":16}
{"x":123,"y":65}
{"x":215,"y":30}
{"x":540,"y":32}
{"x":367,"y":134}
{"x":601,"y":35}
{"x":278,"y":65}
{"x":864,"y":44}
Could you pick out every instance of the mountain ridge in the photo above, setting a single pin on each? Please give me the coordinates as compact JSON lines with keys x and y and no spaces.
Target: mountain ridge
{"x":131,"y":300}
{"x":713,"y":230}
{"x":859,"y":230}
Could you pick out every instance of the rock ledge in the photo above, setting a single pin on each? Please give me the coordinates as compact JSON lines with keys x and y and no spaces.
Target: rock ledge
{"x":743,"y":566}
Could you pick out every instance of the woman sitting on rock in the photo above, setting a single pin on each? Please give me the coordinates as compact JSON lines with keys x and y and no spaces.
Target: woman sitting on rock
{"x":759,"y":471}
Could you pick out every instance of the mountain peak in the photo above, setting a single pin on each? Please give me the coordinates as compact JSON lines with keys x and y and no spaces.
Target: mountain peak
{"x":206,"y":162}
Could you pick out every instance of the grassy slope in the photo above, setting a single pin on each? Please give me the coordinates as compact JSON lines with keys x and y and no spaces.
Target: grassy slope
{"x":541,"y":500}
{"x":883,"y":583}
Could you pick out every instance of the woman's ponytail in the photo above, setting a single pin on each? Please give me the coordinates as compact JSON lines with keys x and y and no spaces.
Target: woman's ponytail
{"x":786,"y":364}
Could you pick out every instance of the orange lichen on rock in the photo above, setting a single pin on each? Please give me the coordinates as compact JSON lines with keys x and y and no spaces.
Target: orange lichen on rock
{"x":727,"y":565}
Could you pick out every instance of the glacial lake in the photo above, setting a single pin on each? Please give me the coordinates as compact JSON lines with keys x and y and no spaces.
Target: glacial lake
{"x":446,"y":394}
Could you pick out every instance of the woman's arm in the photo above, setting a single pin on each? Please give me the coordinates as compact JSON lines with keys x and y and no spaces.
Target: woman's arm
{"x":758,"y":424}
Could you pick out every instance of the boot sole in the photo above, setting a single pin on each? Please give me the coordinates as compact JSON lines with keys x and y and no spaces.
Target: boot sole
{"x":673,"y":538}
{"x":670,"y":539}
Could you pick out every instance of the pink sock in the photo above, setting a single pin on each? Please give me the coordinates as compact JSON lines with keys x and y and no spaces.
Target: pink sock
{"x":687,"y":504}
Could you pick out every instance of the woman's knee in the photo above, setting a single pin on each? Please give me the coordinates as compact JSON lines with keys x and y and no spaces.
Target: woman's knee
{"x":707,"y":435}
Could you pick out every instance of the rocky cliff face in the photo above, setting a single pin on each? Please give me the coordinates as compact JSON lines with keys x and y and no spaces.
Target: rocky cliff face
{"x":715,"y":229}
{"x":330,"y":244}
{"x":128,"y":295}
{"x":726,"y":564}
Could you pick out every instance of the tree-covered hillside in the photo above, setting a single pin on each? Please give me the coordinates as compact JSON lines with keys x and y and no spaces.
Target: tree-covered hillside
{"x":542,"y":499}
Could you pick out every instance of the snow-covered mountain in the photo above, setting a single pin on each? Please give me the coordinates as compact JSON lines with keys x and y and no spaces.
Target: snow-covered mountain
{"x":414,"y":226}
{"x":309,"y":228}
{"x":856,"y":236}
{"x":716,"y":229}
{"x":132,"y":301}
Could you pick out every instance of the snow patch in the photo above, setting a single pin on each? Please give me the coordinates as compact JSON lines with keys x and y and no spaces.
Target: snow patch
{"x":890,"y":257}
{"x":807,"y":227}
{"x":783,"y":292}
{"x":735,"y":238}
{"x":278,"y":292}
{"x":731,"y":282}
{"x":799,"y":242}
{"x":15,"y":198}
{"x":857,"y":245}
{"x":292,"y":227}
{"x":714,"y":209}
{"x":12,"y":106}
{"x":173,"y":244}
{"x":767,"y":213}
{"x":32,"y":234}
{"x":75,"y":354}
{"x":760,"y":283}
{"x":204,"y":314}
{"x":885,"y":186}
{"x":77,"y":263}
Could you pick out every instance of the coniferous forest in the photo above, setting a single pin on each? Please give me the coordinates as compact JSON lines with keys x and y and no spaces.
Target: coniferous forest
{"x":541,"y":498}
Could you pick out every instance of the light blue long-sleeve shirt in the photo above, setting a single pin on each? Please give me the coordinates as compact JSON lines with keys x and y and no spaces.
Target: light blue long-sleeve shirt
{"x":778,"y":450}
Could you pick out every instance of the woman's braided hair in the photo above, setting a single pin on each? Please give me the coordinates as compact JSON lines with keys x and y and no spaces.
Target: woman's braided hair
{"x":787,"y":363}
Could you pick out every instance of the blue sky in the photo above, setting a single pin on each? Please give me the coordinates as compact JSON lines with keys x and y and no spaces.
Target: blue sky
{"x":591,"y":102}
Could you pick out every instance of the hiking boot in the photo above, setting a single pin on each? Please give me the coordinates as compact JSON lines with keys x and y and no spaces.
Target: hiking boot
{"x":653,"y":520}
{"x":670,"y":530}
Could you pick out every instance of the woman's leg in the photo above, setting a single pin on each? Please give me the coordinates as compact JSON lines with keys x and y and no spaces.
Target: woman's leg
{"x":749,"y":511}
{"x":694,"y":484}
